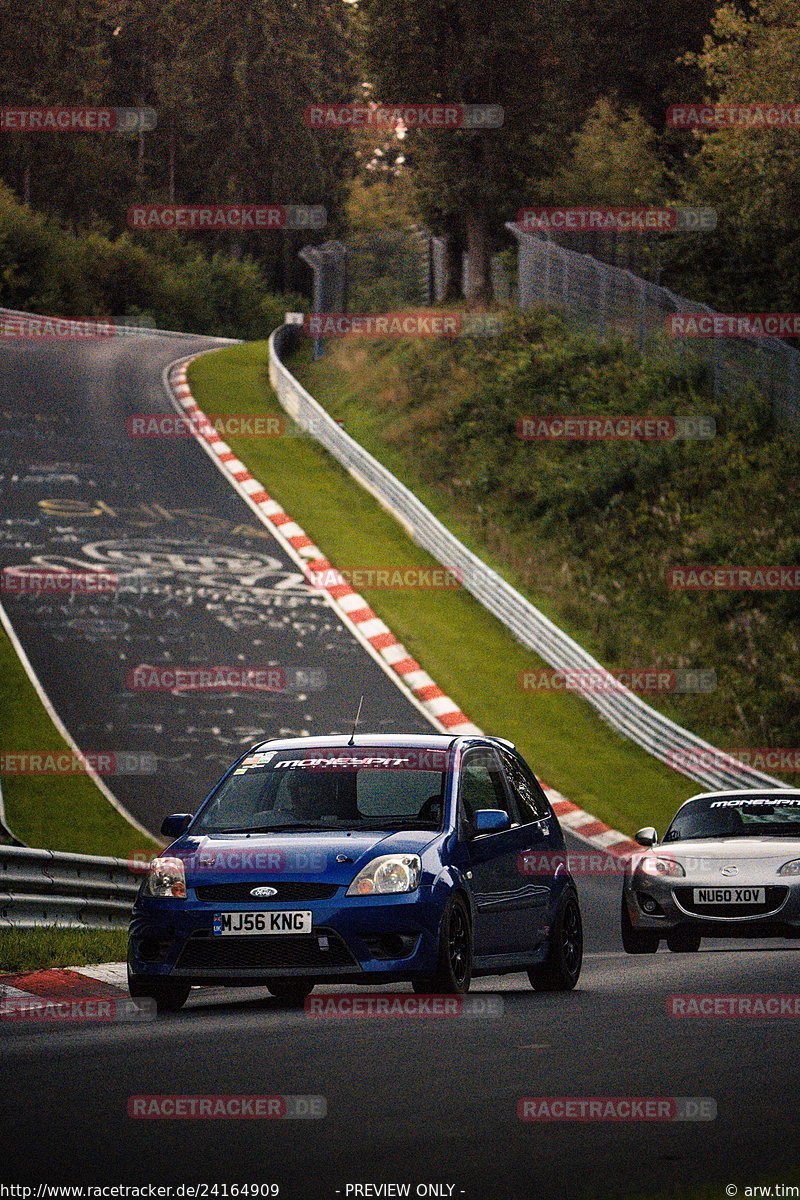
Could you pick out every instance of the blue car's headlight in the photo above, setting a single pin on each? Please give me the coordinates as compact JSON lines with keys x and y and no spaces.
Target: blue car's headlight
{"x":166,"y":877}
{"x":388,"y":874}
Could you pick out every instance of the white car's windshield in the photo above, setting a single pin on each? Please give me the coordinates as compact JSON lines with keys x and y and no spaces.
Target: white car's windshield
{"x":769,"y":815}
{"x":350,"y":788}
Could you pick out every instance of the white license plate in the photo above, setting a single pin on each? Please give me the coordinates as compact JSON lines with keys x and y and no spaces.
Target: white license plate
{"x":734,"y":895}
{"x":261,"y":922}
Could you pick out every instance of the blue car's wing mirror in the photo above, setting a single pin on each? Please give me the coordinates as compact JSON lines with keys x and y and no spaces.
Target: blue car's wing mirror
{"x":176,"y":824}
{"x":490,"y":820}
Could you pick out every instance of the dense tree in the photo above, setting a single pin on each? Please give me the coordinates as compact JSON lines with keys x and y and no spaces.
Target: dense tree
{"x":751,"y":175}
{"x":229,"y":79}
{"x":467,"y":182}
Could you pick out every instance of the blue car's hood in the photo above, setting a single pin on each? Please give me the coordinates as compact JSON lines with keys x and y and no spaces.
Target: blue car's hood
{"x":231,"y":858}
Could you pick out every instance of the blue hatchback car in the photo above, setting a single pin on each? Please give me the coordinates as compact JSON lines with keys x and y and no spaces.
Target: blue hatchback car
{"x":368,"y":859}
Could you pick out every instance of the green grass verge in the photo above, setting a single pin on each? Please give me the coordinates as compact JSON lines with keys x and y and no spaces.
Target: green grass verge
{"x":468,"y":652}
{"x":38,"y":949}
{"x":59,"y":812}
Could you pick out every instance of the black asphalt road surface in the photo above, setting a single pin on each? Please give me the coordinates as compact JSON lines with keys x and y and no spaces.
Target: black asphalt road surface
{"x":200,"y":582}
{"x":421,"y":1101}
{"x":418,"y":1102}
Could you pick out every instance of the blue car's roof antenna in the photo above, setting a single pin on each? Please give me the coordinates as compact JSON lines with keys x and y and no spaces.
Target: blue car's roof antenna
{"x":351,"y":742}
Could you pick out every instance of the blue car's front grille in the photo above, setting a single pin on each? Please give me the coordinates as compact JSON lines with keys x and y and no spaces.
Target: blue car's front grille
{"x":211,"y":953}
{"x":285,"y":890}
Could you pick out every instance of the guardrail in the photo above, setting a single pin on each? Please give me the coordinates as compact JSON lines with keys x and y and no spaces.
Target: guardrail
{"x":623,"y":710}
{"x":73,"y":891}
{"x":6,"y":832}
{"x":119,"y":330}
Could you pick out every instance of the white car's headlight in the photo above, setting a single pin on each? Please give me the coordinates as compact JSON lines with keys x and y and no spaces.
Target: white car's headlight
{"x":661,"y":866}
{"x":790,"y":868}
{"x":166,"y":877}
{"x":389,"y":874}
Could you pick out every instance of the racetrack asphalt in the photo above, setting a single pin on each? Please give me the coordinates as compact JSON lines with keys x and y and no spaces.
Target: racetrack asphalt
{"x":200,"y":582}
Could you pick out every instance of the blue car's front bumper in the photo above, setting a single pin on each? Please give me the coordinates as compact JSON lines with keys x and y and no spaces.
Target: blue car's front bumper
{"x":353,"y":938}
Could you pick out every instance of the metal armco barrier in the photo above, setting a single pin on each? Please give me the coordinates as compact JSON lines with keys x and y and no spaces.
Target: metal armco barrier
{"x":624,"y":711}
{"x":122,"y":330}
{"x":74,"y":891}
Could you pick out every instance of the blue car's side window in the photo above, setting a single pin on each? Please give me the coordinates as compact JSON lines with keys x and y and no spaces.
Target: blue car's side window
{"x":483,"y":786}
{"x":530,"y":798}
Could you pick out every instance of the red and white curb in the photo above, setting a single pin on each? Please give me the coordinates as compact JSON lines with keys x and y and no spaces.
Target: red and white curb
{"x":443,"y":712}
{"x":40,"y":990}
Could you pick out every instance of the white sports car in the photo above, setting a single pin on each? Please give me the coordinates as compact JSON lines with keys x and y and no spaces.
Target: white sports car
{"x":729,"y":866}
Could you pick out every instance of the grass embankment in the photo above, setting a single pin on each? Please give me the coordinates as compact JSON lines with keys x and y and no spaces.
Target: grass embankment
{"x":588,"y":531}
{"x":469,"y":653}
{"x":38,"y":949}
{"x":58,"y":812}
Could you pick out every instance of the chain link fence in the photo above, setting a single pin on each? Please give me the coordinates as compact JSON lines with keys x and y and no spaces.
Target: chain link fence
{"x":606,"y":298}
{"x":380,"y":271}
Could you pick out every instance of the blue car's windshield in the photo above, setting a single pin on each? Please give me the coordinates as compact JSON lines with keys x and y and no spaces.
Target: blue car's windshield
{"x":732,"y":816}
{"x":324,"y":788}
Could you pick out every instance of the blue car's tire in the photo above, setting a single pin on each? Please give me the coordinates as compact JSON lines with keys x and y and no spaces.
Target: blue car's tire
{"x":562,"y":967}
{"x":454,"y":972}
{"x":169,"y":995}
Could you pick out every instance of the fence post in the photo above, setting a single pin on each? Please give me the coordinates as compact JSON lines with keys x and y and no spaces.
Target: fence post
{"x":329,"y":264}
{"x":603,"y":315}
{"x":792,"y":396}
